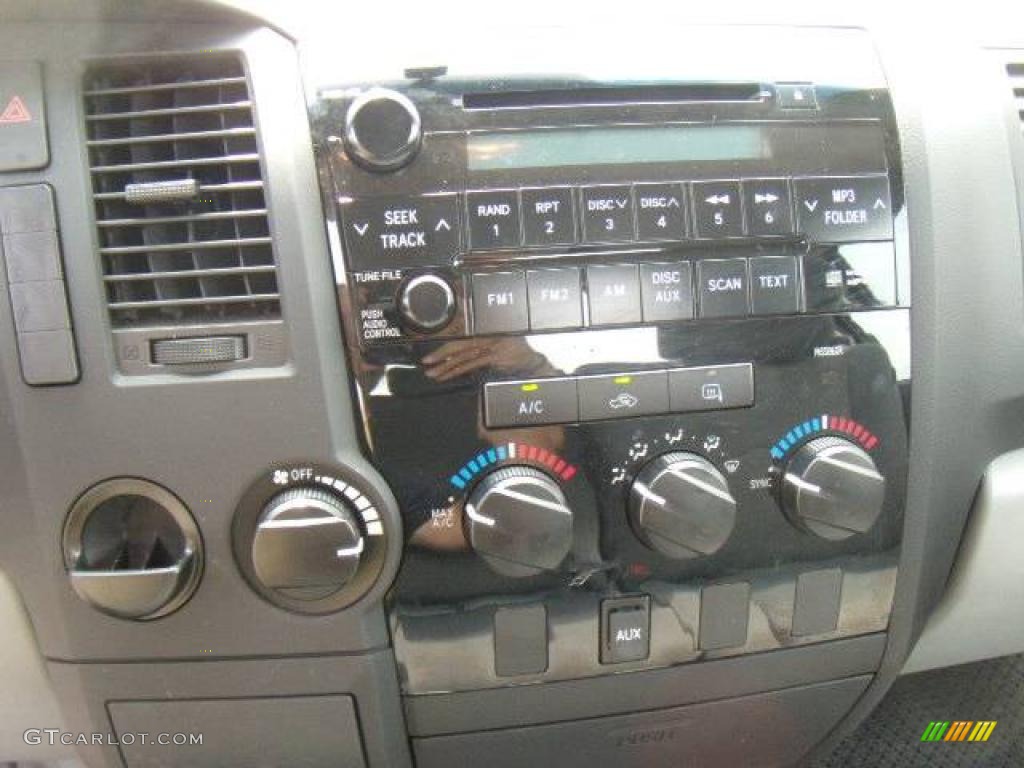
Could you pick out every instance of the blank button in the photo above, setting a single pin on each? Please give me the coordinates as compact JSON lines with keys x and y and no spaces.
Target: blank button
{"x":32,"y":256}
{"x":520,"y":640}
{"x":48,"y":357}
{"x":27,"y":208}
{"x":724,"y":610}
{"x":816,"y":606}
{"x":39,"y":306}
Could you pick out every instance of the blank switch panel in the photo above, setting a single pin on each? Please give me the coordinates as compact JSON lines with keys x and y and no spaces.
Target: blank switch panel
{"x":35,"y":282}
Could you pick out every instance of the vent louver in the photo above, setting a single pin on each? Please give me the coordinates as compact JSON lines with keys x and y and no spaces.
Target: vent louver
{"x":1016,"y":72}
{"x":178,"y":188}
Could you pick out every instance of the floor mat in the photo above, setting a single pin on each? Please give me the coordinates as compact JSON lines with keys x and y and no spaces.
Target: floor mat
{"x":986,"y":691}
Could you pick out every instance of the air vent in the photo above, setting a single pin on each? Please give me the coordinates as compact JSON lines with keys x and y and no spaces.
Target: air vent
{"x":1016,"y":72}
{"x":180,"y":203}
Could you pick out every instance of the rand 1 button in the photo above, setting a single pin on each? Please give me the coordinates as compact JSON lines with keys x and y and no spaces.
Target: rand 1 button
{"x":660,"y":211}
{"x":711,"y":388}
{"x":405,"y":231}
{"x":774,"y":285}
{"x":716,"y":209}
{"x":549,"y":216}
{"x":622,"y":395}
{"x":555,"y":298}
{"x":768,"y":207}
{"x":608,"y":214}
{"x":723,"y":287}
{"x":524,"y":403}
{"x":844,"y":209}
{"x":499,"y":302}
{"x":614,"y":293}
{"x":667,"y":291}
{"x":493,"y":219}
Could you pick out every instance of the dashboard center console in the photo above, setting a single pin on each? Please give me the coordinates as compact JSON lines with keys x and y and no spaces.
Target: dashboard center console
{"x":633,"y":356}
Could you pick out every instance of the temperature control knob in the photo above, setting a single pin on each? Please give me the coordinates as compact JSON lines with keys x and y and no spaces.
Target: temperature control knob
{"x":517,"y":519}
{"x":382,"y":130}
{"x":832,"y":488}
{"x":427,"y":303}
{"x":307,"y":544}
{"x":680,"y":506}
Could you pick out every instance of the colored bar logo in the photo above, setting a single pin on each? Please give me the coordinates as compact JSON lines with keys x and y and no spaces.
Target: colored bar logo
{"x":959,"y":730}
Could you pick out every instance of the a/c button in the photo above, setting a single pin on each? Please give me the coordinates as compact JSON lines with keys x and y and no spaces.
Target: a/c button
{"x":522,"y":403}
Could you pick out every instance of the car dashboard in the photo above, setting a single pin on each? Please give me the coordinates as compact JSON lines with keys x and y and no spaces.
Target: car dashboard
{"x":508,"y":393}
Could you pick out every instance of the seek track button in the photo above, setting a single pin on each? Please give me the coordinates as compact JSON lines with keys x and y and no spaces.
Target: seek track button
{"x":407,"y":231}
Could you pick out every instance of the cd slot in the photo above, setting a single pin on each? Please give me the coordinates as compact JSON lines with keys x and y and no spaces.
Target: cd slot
{"x":618,"y":95}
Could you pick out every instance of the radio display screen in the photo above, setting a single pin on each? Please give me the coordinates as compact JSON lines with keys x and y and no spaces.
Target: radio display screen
{"x":621,"y":145}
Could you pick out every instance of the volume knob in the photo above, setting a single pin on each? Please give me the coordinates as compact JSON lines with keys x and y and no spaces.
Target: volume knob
{"x":517,"y":519}
{"x":832,"y":489}
{"x":680,"y":506}
{"x":382,"y":130}
{"x":426,"y":303}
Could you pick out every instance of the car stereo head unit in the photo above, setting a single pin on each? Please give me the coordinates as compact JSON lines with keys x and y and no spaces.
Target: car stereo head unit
{"x":633,"y":356}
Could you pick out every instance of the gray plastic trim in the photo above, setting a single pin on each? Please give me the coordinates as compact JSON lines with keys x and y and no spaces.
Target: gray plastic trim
{"x":980,"y":616}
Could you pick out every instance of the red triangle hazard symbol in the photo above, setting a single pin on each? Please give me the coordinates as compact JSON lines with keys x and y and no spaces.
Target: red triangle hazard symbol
{"x":15,"y":112}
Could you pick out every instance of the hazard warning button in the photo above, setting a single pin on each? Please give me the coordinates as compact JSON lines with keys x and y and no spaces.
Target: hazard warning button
{"x":22,"y":117}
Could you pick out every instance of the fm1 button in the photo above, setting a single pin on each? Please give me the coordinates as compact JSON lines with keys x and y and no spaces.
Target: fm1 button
{"x":493,"y":219}
{"x":499,"y":302}
{"x":767,"y":204}
{"x":548,"y":216}
{"x":525,"y":403}
{"x":716,"y":207}
{"x":608,"y":214}
{"x":660,"y":212}
{"x":723,"y":287}
{"x":774,"y":287}
{"x":844,"y":209}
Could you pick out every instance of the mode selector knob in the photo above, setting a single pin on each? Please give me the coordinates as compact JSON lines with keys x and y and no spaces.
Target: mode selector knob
{"x":382,"y":130}
{"x":426,"y":303}
{"x":680,"y":506}
{"x":832,"y":488}
{"x":517,"y":519}
{"x":307,"y":544}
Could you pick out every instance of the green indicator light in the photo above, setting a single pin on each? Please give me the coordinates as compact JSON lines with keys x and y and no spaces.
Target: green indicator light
{"x":623,"y":379}
{"x":530,"y":387}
